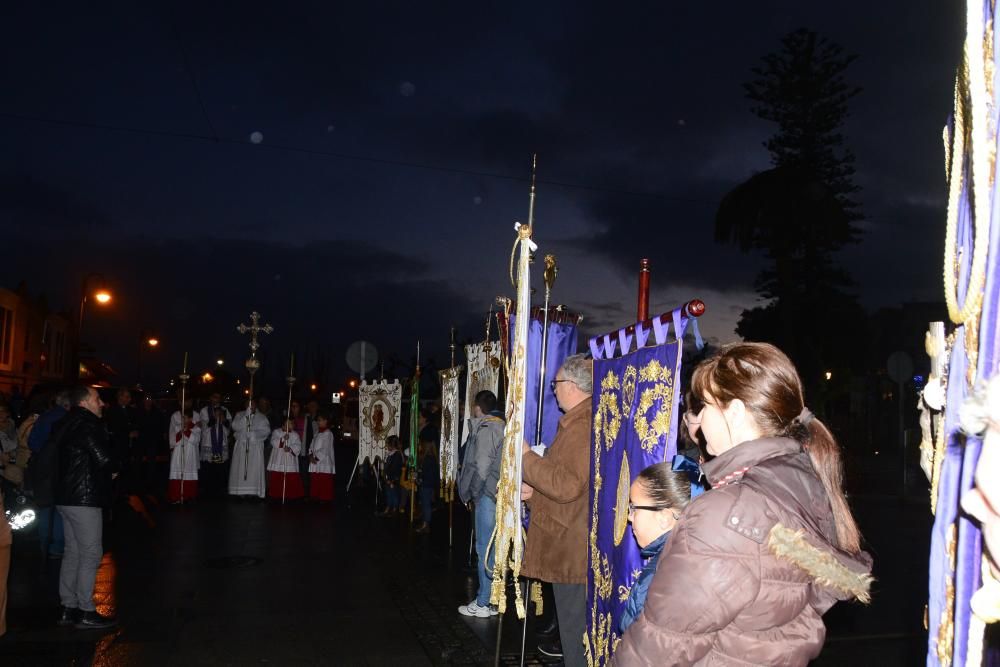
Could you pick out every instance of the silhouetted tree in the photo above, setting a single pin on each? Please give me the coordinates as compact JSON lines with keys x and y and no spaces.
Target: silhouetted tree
{"x":800,"y":212}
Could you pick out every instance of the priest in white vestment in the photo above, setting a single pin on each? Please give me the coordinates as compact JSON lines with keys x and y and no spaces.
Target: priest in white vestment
{"x":246,"y":474}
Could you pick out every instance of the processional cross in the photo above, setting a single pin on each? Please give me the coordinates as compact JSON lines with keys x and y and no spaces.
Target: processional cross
{"x":252,"y":364}
{"x":254,"y":328}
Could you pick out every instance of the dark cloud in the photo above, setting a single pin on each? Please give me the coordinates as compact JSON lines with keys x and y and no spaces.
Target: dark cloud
{"x":322,"y":295}
{"x":637,"y":114}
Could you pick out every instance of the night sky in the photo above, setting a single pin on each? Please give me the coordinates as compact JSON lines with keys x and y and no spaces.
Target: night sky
{"x":354,"y":170}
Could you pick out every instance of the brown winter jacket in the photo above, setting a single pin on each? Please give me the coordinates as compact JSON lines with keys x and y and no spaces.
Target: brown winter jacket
{"x":556,"y":548}
{"x":750,"y":568}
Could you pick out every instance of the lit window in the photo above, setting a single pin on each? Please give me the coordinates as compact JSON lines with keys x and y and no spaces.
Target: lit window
{"x":6,"y":336}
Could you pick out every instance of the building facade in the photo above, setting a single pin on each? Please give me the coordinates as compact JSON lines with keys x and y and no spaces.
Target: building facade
{"x":36,"y":345}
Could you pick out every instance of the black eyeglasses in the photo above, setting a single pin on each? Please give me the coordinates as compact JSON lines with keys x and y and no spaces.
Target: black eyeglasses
{"x":649,"y":508}
{"x":552,"y":385}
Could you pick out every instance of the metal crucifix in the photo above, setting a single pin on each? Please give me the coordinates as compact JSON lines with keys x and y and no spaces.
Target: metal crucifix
{"x":252,"y":364}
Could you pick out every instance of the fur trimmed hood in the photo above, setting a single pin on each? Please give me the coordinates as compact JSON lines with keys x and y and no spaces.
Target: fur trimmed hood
{"x":820,"y":564}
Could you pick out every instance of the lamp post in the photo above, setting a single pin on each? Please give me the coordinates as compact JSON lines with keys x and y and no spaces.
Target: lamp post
{"x":146,"y":339}
{"x":92,"y":286}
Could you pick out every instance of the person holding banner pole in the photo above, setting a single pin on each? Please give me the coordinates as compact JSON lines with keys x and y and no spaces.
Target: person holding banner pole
{"x":556,"y":488}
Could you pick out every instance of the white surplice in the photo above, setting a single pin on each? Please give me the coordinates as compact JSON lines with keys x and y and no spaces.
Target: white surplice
{"x":184,"y":453}
{"x":322,"y":448}
{"x":286,"y":458}
{"x":246,"y":475}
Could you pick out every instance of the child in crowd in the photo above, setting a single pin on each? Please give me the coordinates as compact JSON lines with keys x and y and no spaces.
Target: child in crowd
{"x":656,"y":499}
{"x":393,"y":473}
{"x":283,"y":479}
{"x":321,"y":464}
{"x":430,"y":479}
{"x":184,"y":439}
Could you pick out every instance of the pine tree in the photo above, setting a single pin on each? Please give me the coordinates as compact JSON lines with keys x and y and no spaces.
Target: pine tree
{"x":802,"y":211}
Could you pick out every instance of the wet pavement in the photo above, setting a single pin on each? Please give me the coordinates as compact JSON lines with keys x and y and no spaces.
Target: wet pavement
{"x":228,"y":582}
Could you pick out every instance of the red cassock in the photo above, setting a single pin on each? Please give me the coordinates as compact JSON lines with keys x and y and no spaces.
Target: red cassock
{"x":190,"y":491}
{"x":292,"y":485}
{"x":321,"y":486}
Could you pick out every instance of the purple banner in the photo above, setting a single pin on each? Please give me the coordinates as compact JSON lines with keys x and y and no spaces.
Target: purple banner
{"x":635,"y":425}
{"x":562,"y":343}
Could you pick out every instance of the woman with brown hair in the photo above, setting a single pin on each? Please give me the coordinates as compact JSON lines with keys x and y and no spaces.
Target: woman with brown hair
{"x":754,"y":563}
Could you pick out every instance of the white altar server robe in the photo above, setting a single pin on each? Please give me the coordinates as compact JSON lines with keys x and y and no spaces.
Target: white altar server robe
{"x":322,"y":448}
{"x":184,"y":454}
{"x":284,"y":459}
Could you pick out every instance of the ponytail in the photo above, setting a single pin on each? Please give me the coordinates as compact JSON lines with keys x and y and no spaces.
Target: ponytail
{"x":824,"y":452}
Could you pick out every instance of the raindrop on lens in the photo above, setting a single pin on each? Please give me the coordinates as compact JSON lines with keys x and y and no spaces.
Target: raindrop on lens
{"x":256,"y":137}
{"x":407,"y":89}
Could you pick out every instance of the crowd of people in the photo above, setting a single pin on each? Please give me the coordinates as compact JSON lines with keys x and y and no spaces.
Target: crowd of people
{"x":76,"y":457}
{"x":738,"y":574}
{"x":747,"y":536}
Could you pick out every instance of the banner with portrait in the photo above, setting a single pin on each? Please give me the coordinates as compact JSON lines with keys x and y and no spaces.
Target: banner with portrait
{"x":378,"y":417}
{"x":483,"y":361}
{"x":635,"y":403}
{"x":448,"y":453}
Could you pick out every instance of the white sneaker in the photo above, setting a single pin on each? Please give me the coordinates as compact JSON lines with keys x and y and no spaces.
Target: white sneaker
{"x":473,"y":609}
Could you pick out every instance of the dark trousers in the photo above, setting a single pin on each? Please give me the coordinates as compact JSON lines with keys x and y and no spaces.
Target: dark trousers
{"x":426,"y":503}
{"x":304,"y":473}
{"x":392,"y":499}
{"x":571,"y":606}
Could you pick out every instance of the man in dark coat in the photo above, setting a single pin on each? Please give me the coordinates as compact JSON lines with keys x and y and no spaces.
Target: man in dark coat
{"x":86,"y":468}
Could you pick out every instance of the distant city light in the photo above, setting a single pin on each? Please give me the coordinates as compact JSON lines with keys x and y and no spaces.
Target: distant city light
{"x":829,"y":374}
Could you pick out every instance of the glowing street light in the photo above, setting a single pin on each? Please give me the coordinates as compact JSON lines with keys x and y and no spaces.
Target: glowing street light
{"x":828,"y":375}
{"x":153,"y":342}
{"x":102,"y":297}
{"x":352,"y":384}
{"x":313,"y":386}
{"x":220,"y":361}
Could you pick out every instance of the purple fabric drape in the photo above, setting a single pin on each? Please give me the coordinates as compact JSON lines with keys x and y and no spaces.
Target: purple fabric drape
{"x":561,"y":344}
{"x":635,"y":400}
{"x":953,"y":533}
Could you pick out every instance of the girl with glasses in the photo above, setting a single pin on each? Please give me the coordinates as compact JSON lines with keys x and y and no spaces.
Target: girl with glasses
{"x":656,"y":499}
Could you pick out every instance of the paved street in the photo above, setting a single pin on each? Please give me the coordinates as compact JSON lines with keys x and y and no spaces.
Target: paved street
{"x":239,"y":583}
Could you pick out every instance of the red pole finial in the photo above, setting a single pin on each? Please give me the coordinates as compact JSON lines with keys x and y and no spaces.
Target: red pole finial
{"x":695,"y":308}
{"x":643,"y":303}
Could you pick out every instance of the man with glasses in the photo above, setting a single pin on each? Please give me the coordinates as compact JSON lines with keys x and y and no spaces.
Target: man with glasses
{"x":557,"y":489}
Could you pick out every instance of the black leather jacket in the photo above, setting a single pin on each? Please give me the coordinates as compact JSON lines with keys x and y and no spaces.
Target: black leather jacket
{"x":85,"y":460}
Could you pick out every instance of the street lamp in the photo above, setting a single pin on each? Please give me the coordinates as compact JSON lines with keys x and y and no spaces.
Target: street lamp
{"x":220,"y":361}
{"x":93,"y":285}
{"x":146,"y":339}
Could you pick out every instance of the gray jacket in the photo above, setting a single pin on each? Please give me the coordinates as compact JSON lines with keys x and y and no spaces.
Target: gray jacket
{"x":481,"y":465}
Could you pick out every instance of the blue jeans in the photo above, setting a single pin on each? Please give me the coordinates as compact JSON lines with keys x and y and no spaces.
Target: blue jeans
{"x":426,"y":502}
{"x":391,"y":497}
{"x":486,"y":519}
{"x":57,"y":545}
